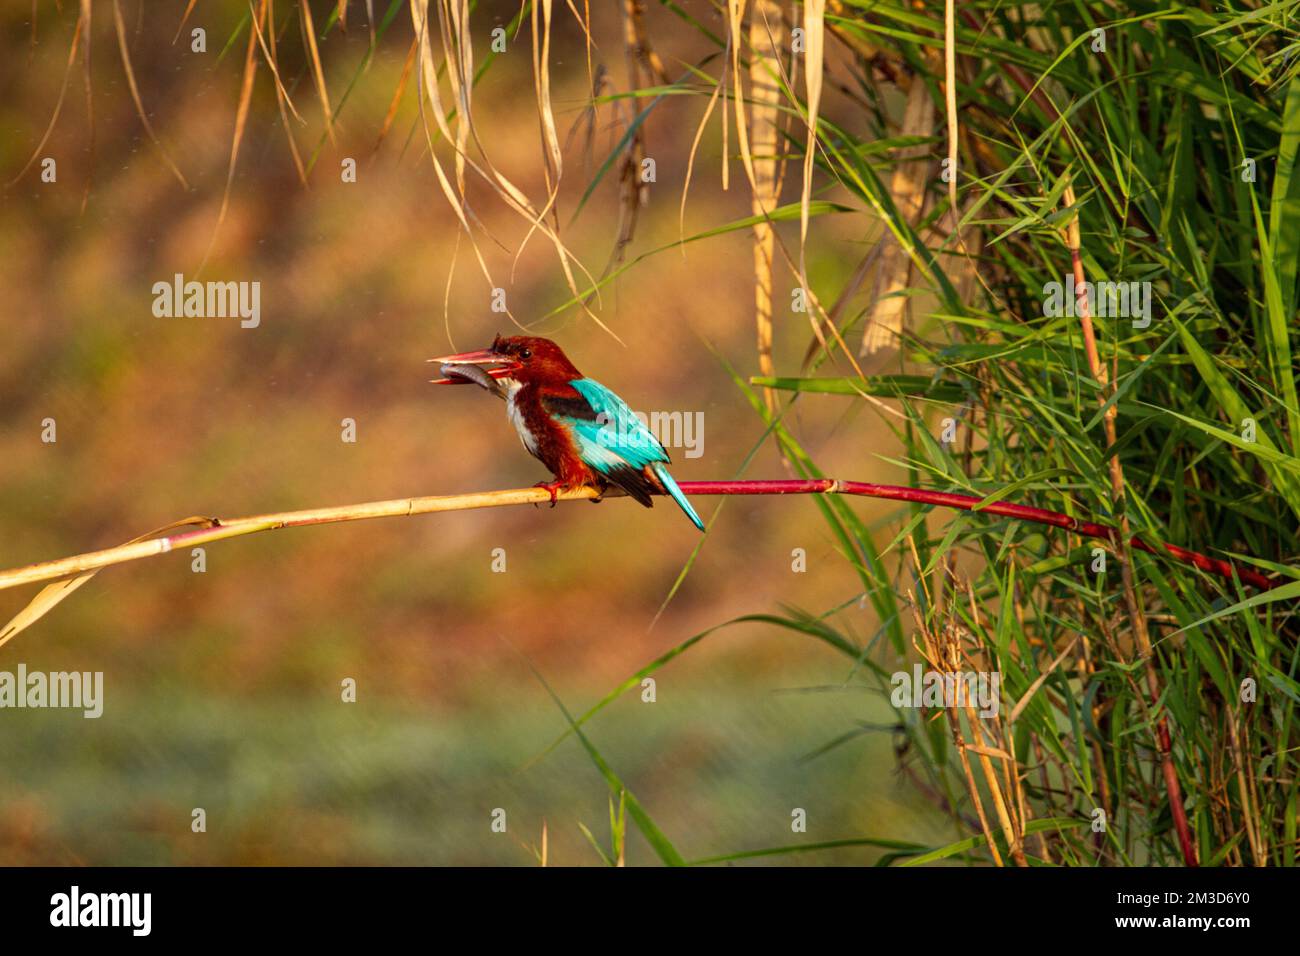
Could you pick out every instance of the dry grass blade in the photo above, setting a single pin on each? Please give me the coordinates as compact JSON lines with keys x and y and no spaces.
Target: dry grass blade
{"x":271,"y":55}
{"x":766,"y":34}
{"x":44,"y":602}
{"x":1249,"y":813}
{"x":458,"y":52}
{"x":584,"y":21}
{"x":847,"y":293}
{"x":455,"y":36}
{"x":241,"y":120}
{"x":429,"y":87}
{"x":945,"y":651}
{"x":431,"y":90}
{"x":542,"y":80}
{"x":950,"y":103}
{"x":1032,"y":689}
{"x":818,"y":316}
{"x":185,"y":18}
{"x":58,"y":105}
{"x":309,"y":37}
{"x":935,"y":653}
{"x":90,"y":102}
{"x":967,"y":266}
{"x":135,"y":96}
{"x":907,"y":186}
{"x":49,"y":596}
{"x":690,"y":159}
{"x":397,"y":95}
{"x":736,"y":17}
{"x":1001,"y":802}
{"x":553,"y":158}
{"x":996,"y":753}
{"x":814,"y":13}
{"x":283,"y":102}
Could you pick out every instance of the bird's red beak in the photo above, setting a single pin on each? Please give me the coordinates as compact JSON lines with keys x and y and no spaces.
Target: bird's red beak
{"x":494,"y":364}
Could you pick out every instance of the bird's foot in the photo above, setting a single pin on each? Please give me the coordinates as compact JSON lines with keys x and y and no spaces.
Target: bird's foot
{"x":553,"y":487}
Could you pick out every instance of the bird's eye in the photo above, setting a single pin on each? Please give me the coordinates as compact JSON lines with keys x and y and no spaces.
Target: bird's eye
{"x":526,"y":354}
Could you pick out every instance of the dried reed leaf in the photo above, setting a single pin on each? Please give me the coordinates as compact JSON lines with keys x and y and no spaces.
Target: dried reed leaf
{"x":454,"y":23}
{"x":968,"y":274}
{"x":766,"y":33}
{"x":49,"y":596}
{"x":542,"y":80}
{"x":58,"y":105}
{"x":397,"y":95}
{"x":135,"y":96}
{"x":90,"y":101}
{"x":241,"y":119}
{"x":584,"y":21}
{"x":814,"y":13}
{"x":309,"y":37}
{"x":271,"y":55}
{"x":458,"y":57}
{"x":735,"y":17}
{"x":189,"y":8}
{"x":283,"y":102}
{"x":690,"y":159}
{"x":42,"y":604}
{"x":950,"y":103}
{"x":996,"y":752}
{"x":907,"y":186}
{"x":553,"y":158}
{"x":429,"y":87}
{"x":1032,"y":689}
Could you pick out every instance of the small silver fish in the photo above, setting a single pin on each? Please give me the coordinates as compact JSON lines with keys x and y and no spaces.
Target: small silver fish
{"x":475,"y":374}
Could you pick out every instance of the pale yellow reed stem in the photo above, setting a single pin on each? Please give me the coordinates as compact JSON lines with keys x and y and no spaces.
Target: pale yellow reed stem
{"x":235,"y":527}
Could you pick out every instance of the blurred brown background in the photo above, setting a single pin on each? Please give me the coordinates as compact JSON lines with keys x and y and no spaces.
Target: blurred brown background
{"x":222,"y":688}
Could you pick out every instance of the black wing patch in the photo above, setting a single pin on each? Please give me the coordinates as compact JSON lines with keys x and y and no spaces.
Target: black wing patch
{"x":634,"y":482}
{"x":570,"y":407}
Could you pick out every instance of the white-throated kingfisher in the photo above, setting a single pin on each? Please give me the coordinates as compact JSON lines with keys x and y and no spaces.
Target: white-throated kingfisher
{"x":584,"y":433}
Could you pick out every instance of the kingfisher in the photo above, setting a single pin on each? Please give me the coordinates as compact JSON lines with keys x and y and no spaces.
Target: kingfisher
{"x":579,"y":429}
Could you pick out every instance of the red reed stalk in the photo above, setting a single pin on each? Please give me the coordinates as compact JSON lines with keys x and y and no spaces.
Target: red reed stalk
{"x":944,"y":499}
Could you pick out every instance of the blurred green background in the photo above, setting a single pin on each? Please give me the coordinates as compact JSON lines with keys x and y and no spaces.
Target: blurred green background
{"x":223,"y":688}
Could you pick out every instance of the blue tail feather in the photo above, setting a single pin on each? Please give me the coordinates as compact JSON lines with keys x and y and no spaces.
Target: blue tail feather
{"x":670,"y":486}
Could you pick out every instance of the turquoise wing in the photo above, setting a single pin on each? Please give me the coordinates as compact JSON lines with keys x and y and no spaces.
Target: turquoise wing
{"x":613,"y":441}
{"x":614,"y":438}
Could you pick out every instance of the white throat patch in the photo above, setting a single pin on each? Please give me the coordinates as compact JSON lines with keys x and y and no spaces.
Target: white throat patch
{"x":515,"y":414}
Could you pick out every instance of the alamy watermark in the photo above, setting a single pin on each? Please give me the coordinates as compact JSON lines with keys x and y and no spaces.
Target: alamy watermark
{"x":671,"y":429}
{"x":1105,"y":299}
{"x":133,"y":911}
{"x":922,"y":688}
{"x":209,"y":300}
{"x":75,"y":690}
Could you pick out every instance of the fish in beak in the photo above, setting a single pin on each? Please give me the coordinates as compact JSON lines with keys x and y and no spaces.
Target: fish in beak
{"x":482,"y":368}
